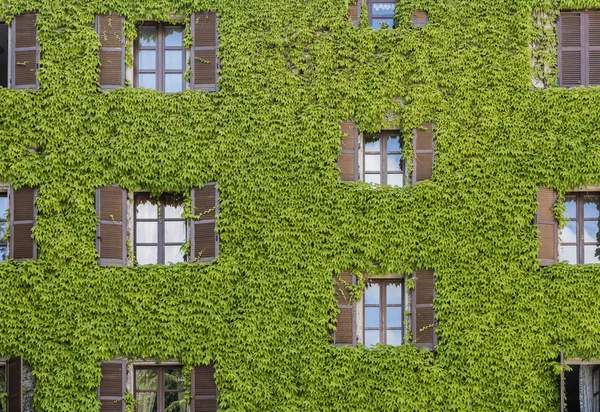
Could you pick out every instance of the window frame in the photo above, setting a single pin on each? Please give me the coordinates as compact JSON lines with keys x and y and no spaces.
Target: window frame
{"x":160,"y":48}
{"x":160,"y":220}
{"x":383,"y":328}
{"x":373,"y":16}
{"x":580,"y":220}
{"x":160,"y":390}
{"x":383,"y":156}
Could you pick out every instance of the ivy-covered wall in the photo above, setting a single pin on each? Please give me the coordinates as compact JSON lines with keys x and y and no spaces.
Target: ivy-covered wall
{"x":291,"y":70}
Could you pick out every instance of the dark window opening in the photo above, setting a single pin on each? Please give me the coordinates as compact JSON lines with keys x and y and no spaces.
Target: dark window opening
{"x":580,"y":238}
{"x":160,"y":60}
{"x":3,"y":54}
{"x":383,"y":161}
{"x":381,"y":13}
{"x":383,"y":316}
{"x":160,"y":229}
{"x":3,"y":226}
{"x":159,"y":389}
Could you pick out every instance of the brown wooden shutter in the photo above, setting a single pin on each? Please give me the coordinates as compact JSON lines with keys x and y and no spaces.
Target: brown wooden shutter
{"x":22,"y":219}
{"x":423,"y":316}
{"x":111,"y":233}
{"x":204,"y":389}
{"x":348,"y":159}
{"x":14,"y":385}
{"x":547,"y":226}
{"x":354,"y":8}
{"x":25,"y":51}
{"x":112,"y":50}
{"x":204,"y":64}
{"x":345,"y":328}
{"x":204,"y":238}
{"x":423,"y":146}
{"x":571,"y":57}
{"x":112,"y":386}
{"x":419,"y":18}
{"x":593,"y":24}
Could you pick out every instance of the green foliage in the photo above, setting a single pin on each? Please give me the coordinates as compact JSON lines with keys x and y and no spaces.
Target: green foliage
{"x":291,"y":71}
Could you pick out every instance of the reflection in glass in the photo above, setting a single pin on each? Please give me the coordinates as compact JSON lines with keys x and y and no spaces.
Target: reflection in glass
{"x":173,"y":208}
{"x":147,"y":59}
{"x":175,"y":402}
{"x":372,"y":294}
{"x":3,"y":253}
{"x":590,"y":207}
{"x":372,"y":163}
{"x":393,"y":144}
{"x":145,"y":208}
{"x":590,"y":231}
{"x":373,"y":178}
{"x":371,"y":317}
{"x":174,"y":379}
{"x":147,"y":35}
{"x":571,"y":207}
{"x":173,"y":36}
{"x":568,"y":253}
{"x":174,"y":232}
{"x":382,"y":23}
{"x":3,"y":206}
{"x":146,"y":232}
{"x":147,"y":80}
{"x":590,"y":254}
{"x":145,"y":402}
{"x":596,"y":379}
{"x":395,"y":180}
{"x":3,"y":229}
{"x":394,"y":337}
{"x":173,"y":59}
{"x":393,"y":294}
{"x":173,"y":254}
{"x":393,"y":317}
{"x":173,"y":82}
{"x":146,"y":255}
{"x":372,"y":144}
{"x":385,"y":9}
{"x":146,"y":379}
{"x":569,"y":232}
{"x":371,"y":337}
{"x":394,"y":162}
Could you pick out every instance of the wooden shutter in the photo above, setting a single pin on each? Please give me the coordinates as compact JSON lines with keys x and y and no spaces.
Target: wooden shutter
{"x":547,"y":226}
{"x":111,"y":233}
{"x":112,"y":386}
{"x":25,"y":51}
{"x":112,"y":50}
{"x":345,"y":329}
{"x":22,"y":219}
{"x":14,"y":385}
{"x":423,"y":316}
{"x":354,"y":8}
{"x":571,"y":56}
{"x":423,"y":146}
{"x":348,"y":159}
{"x":593,"y":44}
{"x":204,"y":389}
{"x":204,"y":64}
{"x":419,"y":18}
{"x":204,"y":238}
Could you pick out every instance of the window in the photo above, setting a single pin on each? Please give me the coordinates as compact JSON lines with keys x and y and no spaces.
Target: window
{"x":579,"y":48}
{"x":383,"y":158}
{"x":3,"y":54}
{"x":381,"y":13}
{"x":383,"y":312}
{"x":579,"y":238}
{"x":419,"y":18}
{"x":160,"y":60}
{"x":3,"y":226}
{"x":159,"y":389}
{"x":160,"y":230}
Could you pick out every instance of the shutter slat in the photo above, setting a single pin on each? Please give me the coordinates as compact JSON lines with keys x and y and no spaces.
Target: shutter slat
{"x":204,"y":389}
{"x":348,"y":159}
{"x":14,"y":385}
{"x":423,"y":315}
{"x":112,"y":50}
{"x":594,"y":67}
{"x":25,"y":30}
{"x":344,"y":333}
{"x":547,"y":226}
{"x":111,"y":207}
{"x":112,"y":386}
{"x":570,"y":26}
{"x":22,"y":220}
{"x":205,"y":27}
{"x":571,"y":68}
{"x":25,"y":53}
{"x":204,"y":62}
{"x":423,"y":146}
{"x":419,"y":18}
{"x":204,"y":239}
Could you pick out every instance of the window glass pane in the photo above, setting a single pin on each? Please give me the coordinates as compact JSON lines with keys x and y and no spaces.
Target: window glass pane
{"x":173,"y":36}
{"x":373,"y":178}
{"x":568,"y":253}
{"x":173,"y":254}
{"x":3,"y":253}
{"x":394,"y":337}
{"x":569,"y":232}
{"x":591,"y":254}
{"x":381,"y":23}
{"x":590,"y":207}
{"x":173,"y":207}
{"x":372,"y":144}
{"x":393,"y":144}
{"x":145,"y":208}
{"x":173,"y":59}
{"x":383,"y":9}
{"x":147,"y":59}
{"x":147,"y":35}
{"x":3,"y":229}
{"x":146,"y":379}
{"x":175,"y":232}
{"x":393,"y":294}
{"x":372,"y":317}
{"x":393,"y":317}
{"x":173,"y":82}
{"x":394,"y":162}
{"x":596,"y":378}
{"x":597,"y":403}
{"x":147,"y":80}
{"x":174,"y":379}
{"x":372,"y":294}
{"x":571,"y":207}
{"x":146,"y":232}
{"x":146,"y":255}
{"x":2,"y":379}
{"x":371,"y":337}
{"x":145,"y":402}
{"x":175,"y":402}
{"x":590,"y":233}
{"x":396,"y":179}
{"x":3,"y":206}
{"x":372,"y":163}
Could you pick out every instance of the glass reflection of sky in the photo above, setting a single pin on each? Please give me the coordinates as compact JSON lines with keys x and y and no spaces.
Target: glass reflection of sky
{"x":384,"y":9}
{"x":568,"y":233}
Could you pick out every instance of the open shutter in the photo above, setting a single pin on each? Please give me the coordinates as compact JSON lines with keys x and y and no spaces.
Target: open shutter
{"x":547,"y":226}
{"x":204,"y":238}
{"x":25,"y":51}
{"x":112,"y":386}
{"x":22,"y":219}
{"x":111,"y":233}
{"x":112,"y":50}
{"x":345,"y":328}
{"x":571,"y":63}
{"x":423,"y":146}
{"x":204,"y":389}
{"x":14,"y":385}
{"x":348,"y":159}
{"x":204,"y":64}
{"x":423,"y":316}
{"x":354,"y":8}
{"x":593,"y":48}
